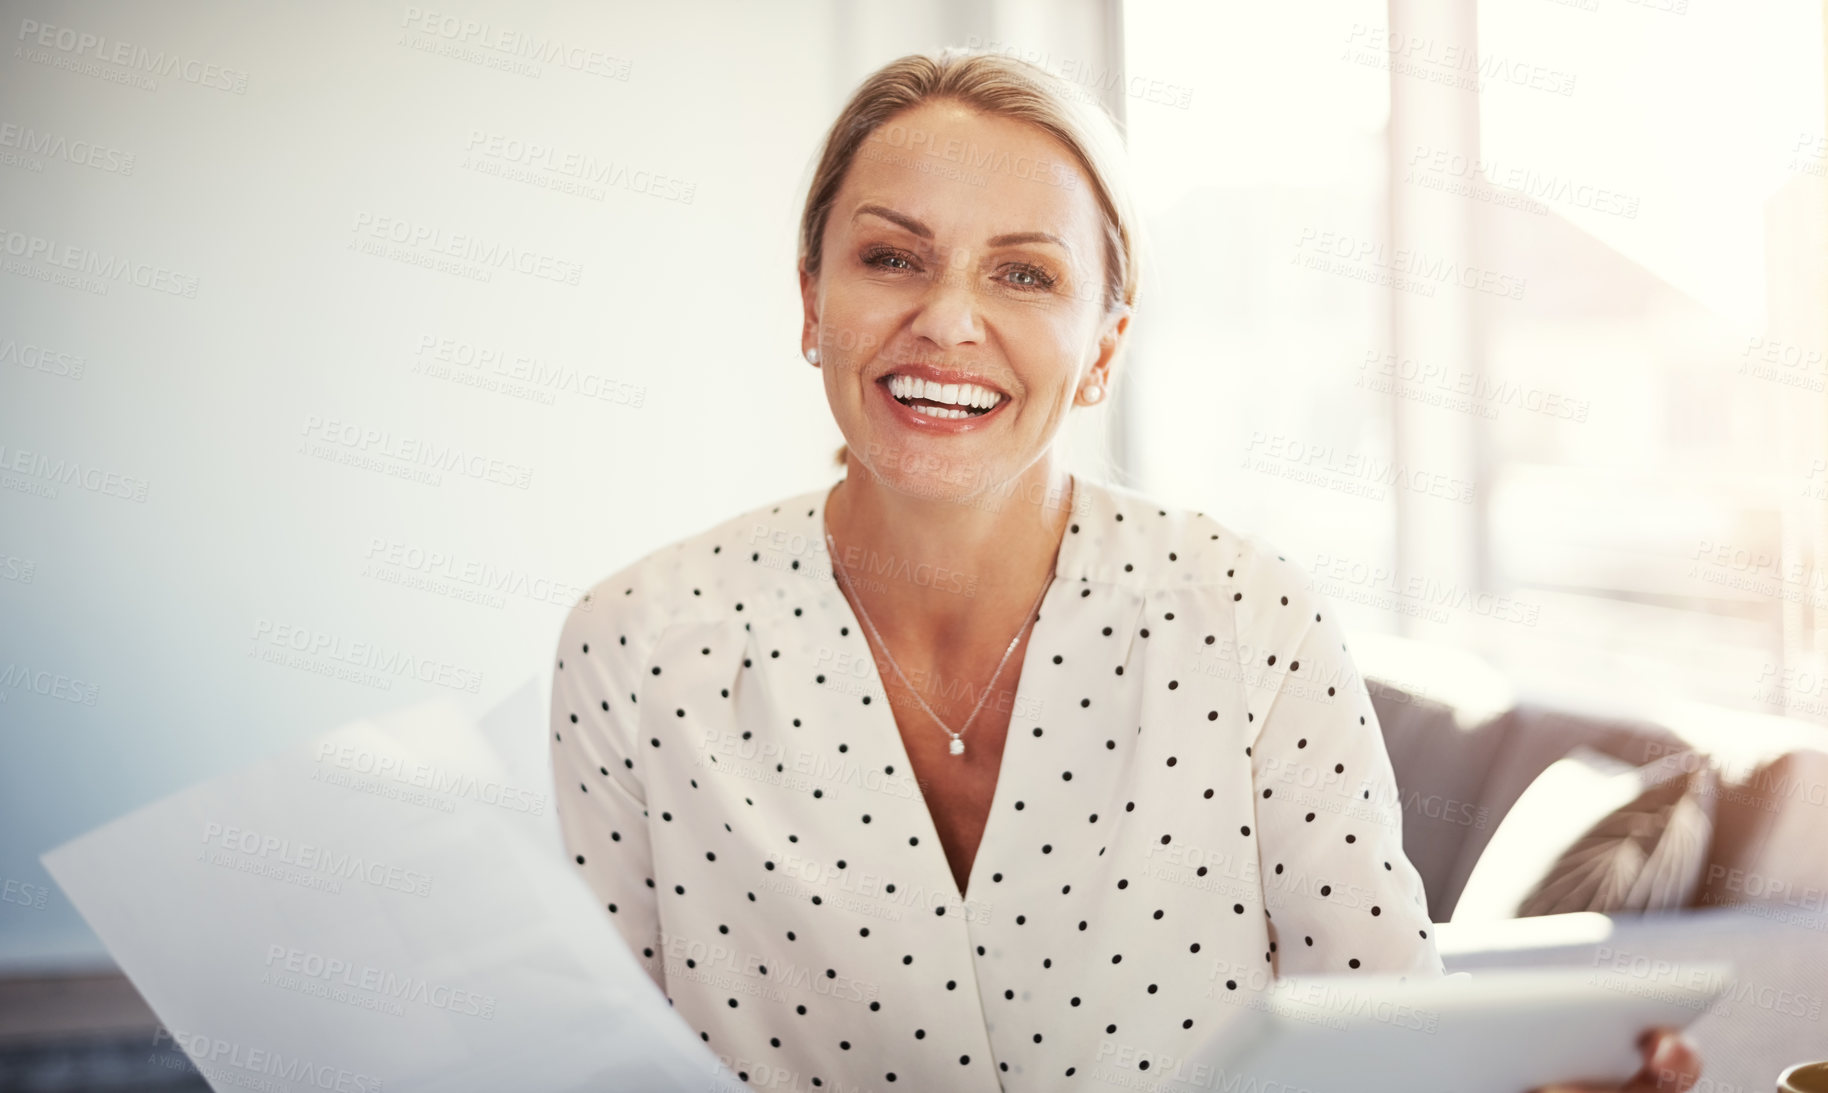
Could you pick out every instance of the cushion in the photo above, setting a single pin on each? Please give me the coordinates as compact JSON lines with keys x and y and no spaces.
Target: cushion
{"x":1592,"y":833}
{"x":1645,"y":856}
{"x":1532,"y":737}
{"x":1771,"y":842}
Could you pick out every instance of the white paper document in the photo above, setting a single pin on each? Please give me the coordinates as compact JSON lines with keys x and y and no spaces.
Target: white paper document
{"x":384,"y":909}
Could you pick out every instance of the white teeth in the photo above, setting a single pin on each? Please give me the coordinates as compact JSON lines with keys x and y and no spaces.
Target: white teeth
{"x":941,"y":411}
{"x":953,"y":394}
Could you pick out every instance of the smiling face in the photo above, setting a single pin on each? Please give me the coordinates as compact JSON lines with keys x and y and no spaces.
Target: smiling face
{"x":958,"y":307}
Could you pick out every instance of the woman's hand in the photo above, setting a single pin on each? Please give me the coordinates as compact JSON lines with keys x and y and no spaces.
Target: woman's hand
{"x":1671,"y":1065}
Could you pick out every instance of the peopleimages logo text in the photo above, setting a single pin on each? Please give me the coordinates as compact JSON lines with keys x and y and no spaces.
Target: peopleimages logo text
{"x":100,"y":48}
{"x":415,"y":451}
{"x":434,"y":239}
{"x":91,"y":262}
{"x":312,"y":859}
{"x":426,"y":776}
{"x":364,"y":654}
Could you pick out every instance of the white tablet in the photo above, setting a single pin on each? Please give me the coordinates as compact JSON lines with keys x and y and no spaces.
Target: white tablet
{"x":1496,"y":1031}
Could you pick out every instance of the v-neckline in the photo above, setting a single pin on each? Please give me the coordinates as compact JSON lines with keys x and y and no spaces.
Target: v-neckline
{"x":1000,"y":790}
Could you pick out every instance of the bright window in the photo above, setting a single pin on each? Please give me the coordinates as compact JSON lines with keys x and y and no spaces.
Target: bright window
{"x":1533,"y":366}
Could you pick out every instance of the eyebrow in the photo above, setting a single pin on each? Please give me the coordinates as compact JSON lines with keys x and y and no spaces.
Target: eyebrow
{"x":1007,"y":240}
{"x":1014,"y":238}
{"x":893,"y":217}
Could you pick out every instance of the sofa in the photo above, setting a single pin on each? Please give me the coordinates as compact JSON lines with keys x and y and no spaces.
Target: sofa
{"x":1464,"y":749}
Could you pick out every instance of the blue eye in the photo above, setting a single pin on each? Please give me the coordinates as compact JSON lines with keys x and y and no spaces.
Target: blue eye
{"x":1034,"y":277}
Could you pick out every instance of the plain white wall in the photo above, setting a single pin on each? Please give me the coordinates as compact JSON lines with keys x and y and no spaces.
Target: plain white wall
{"x":191,"y":317}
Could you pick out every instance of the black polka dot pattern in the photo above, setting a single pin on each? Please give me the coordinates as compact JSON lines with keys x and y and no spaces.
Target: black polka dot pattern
{"x":1193,"y":799}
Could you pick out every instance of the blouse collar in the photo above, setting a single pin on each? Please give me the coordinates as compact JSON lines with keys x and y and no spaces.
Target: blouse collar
{"x":1095,"y":508}
{"x":1115,"y":537}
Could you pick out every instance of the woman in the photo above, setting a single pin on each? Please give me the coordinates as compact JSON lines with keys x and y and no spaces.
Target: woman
{"x":967,"y":772}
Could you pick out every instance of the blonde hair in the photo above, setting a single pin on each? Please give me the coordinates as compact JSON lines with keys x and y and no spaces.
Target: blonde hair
{"x":1001,"y":86}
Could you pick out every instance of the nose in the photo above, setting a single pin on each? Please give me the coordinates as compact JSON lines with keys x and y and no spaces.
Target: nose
{"x":948,"y":314}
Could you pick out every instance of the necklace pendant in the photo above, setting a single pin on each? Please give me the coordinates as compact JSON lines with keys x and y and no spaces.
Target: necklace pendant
{"x":957,"y":747}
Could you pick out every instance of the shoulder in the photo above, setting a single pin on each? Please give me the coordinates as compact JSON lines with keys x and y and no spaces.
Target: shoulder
{"x":1130,"y":537}
{"x":693,"y":579}
{"x":1285,"y":636}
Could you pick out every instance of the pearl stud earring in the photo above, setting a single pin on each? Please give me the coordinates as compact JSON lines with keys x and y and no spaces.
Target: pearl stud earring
{"x":812,"y":355}
{"x":1092,"y":392}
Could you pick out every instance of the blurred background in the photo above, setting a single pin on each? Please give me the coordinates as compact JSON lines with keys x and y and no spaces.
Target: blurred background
{"x":342,"y":347}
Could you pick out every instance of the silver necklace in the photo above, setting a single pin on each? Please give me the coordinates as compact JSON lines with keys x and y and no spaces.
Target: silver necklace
{"x":957,"y":747}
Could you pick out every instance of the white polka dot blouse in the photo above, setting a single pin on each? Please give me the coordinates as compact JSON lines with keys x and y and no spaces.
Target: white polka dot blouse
{"x":1194,"y":799}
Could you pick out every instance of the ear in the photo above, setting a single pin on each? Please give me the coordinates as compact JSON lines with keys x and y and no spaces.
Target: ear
{"x":1110,"y":344}
{"x":809,"y":303}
